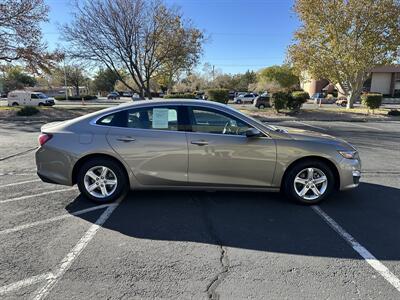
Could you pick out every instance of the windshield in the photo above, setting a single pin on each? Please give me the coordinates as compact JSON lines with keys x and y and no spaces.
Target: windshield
{"x":41,"y":96}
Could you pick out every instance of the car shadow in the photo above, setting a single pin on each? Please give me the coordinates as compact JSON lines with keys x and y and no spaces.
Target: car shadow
{"x":247,"y":220}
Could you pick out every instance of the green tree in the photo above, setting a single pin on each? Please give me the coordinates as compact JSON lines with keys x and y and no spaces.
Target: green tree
{"x":105,"y":80}
{"x":15,"y":78}
{"x":74,"y":74}
{"x":282,"y":75}
{"x":244,"y":80}
{"x":342,"y":40}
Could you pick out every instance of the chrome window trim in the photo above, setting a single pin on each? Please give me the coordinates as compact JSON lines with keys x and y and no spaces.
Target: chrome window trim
{"x":93,"y":121}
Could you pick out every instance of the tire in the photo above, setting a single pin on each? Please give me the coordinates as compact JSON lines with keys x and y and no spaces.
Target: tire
{"x":297,"y":172}
{"x":343,"y":104}
{"x":239,"y":102}
{"x":14,"y":104}
{"x":115,"y":172}
{"x":261,"y":106}
{"x":41,"y":104}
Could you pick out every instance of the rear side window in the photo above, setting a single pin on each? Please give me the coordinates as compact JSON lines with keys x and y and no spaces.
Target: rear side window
{"x":160,"y":118}
{"x":117,"y":119}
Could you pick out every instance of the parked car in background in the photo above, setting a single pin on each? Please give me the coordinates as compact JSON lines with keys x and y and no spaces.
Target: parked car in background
{"x":320,"y":98}
{"x":3,"y":95}
{"x":189,"y":144}
{"x":113,"y":96}
{"x":244,"y":98}
{"x":16,"y":98}
{"x":262,"y":101}
{"x":232,"y":95}
{"x":341,"y":101}
{"x":127,"y":94}
{"x":199,"y":95}
{"x":135,"y":97}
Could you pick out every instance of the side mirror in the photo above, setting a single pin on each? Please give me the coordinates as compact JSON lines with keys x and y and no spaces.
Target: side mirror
{"x":253,"y":132}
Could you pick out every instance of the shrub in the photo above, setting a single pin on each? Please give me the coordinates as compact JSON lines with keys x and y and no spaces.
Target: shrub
{"x":76,"y":98}
{"x":394,"y":112}
{"x":296,"y":100}
{"x":279,"y":100}
{"x":372,"y":100}
{"x":27,"y":111}
{"x":218,"y":95}
{"x":180,"y":96}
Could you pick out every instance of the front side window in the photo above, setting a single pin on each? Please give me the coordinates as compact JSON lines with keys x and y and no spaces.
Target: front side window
{"x":211,"y":121}
{"x":34,"y":96}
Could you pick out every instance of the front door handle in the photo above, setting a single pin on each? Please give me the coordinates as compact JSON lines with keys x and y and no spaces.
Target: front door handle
{"x":126,"y":139}
{"x":200,"y":143}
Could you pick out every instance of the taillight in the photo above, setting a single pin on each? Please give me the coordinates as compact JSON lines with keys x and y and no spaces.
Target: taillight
{"x":44,"y":138}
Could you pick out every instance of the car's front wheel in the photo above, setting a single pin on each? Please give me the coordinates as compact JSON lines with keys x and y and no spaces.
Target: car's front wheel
{"x":102,"y":180}
{"x":261,"y":106}
{"x":309,"y":182}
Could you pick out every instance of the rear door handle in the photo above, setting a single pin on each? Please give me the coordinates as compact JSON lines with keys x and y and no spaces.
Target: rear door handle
{"x":200,"y":143}
{"x":126,"y":139}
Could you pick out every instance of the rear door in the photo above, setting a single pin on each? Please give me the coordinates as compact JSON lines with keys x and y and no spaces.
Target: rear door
{"x":152,"y":143}
{"x":220,"y":154}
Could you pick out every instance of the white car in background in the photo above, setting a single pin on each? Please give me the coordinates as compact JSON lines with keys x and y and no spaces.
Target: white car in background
{"x":245,"y":98}
{"x":16,"y":98}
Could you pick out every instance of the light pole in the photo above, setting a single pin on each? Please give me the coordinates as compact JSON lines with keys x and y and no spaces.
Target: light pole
{"x":65,"y":81}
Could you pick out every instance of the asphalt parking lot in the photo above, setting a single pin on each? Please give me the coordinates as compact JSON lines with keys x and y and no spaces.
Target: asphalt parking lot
{"x":200,"y":245}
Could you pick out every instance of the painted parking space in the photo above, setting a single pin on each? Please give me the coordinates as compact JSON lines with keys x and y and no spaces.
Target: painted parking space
{"x":195,"y":245}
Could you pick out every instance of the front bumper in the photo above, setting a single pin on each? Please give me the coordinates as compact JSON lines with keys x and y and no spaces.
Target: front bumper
{"x":350,"y":173}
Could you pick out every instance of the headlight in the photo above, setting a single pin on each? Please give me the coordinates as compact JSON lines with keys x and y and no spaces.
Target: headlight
{"x":349,"y":154}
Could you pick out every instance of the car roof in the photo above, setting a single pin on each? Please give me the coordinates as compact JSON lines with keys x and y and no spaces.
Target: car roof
{"x":149,"y":103}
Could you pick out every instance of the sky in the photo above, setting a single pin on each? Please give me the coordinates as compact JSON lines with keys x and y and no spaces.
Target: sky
{"x":242,"y":34}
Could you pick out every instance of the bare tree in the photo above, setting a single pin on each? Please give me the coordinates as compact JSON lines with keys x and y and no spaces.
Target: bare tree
{"x":136,"y":36}
{"x":20,"y":34}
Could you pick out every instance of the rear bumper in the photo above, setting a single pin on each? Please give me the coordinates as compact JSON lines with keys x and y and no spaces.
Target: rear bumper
{"x":46,"y":179}
{"x":54,"y":166}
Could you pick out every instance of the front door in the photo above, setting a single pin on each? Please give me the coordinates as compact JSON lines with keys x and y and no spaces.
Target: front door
{"x":220,"y":154}
{"x":152,"y":145}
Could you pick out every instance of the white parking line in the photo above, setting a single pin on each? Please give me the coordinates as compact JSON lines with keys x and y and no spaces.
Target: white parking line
{"x":369,"y":258}
{"x":36,"y":195}
{"x":364,"y":126}
{"x":312,"y":126}
{"x":29,"y":225}
{"x":75,"y":252}
{"x":18,"y":183}
{"x":23,"y":283}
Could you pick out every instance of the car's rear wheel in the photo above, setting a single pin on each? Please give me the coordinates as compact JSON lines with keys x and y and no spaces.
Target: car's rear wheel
{"x":261,"y":106}
{"x":309,"y":182}
{"x":15,"y":104}
{"x":102,"y":180}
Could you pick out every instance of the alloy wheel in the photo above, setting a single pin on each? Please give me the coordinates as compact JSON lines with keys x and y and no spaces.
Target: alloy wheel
{"x":100,"y":181}
{"x":310,"y":183}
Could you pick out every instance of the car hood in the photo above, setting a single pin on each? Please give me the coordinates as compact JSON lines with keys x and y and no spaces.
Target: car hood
{"x":312,"y":136}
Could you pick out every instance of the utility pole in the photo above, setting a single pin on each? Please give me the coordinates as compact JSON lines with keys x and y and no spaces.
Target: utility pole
{"x":213,"y":72}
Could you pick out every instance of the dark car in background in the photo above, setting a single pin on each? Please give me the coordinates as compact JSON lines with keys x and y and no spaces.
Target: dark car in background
{"x":262,"y":101}
{"x":113,"y":96}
